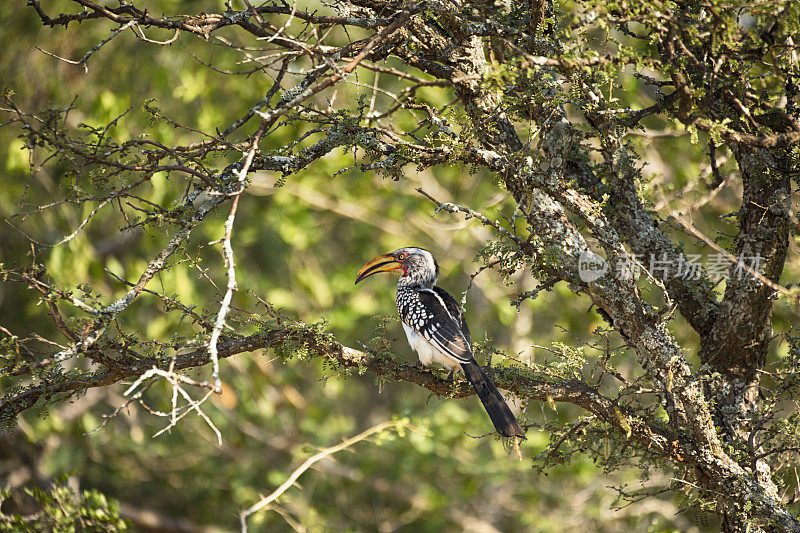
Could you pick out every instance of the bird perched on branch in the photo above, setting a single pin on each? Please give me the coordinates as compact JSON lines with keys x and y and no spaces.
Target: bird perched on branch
{"x":436,"y":328}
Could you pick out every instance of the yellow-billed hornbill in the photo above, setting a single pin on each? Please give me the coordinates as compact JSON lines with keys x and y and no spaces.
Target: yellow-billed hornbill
{"x":436,"y":327}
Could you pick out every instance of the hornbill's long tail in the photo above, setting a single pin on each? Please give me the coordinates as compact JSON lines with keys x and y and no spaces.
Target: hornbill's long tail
{"x":503,"y":419}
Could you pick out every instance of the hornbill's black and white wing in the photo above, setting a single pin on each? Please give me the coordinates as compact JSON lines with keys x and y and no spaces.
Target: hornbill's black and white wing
{"x":455,"y":310}
{"x":436,"y":316}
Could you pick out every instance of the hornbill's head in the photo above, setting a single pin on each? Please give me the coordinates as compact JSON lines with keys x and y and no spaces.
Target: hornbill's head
{"x":415,"y":266}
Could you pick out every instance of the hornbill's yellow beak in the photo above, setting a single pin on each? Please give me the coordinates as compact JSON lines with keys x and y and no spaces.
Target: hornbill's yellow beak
{"x":382,"y":263}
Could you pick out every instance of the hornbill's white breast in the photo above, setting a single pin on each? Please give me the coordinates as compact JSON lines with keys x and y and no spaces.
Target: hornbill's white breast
{"x":427,"y":352}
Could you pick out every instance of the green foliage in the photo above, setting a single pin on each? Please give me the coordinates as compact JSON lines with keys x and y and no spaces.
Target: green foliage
{"x":64,"y":511}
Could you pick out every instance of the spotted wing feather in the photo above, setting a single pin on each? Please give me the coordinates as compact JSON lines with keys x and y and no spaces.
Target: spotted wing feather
{"x":441,"y":327}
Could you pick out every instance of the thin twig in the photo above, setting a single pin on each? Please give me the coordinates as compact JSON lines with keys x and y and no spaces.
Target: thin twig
{"x":230,"y":262}
{"x":325,"y":452}
{"x":84,"y":60}
{"x":455,"y":208}
{"x":729,"y":256}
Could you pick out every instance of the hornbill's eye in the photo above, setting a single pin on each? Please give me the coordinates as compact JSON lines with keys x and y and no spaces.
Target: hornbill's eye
{"x":401,"y":256}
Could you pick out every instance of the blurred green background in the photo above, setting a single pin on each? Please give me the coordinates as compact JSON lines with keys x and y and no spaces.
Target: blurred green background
{"x":298,"y":246}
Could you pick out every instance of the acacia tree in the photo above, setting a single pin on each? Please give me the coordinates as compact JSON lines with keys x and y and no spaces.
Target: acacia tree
{"x":556,"y":104}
